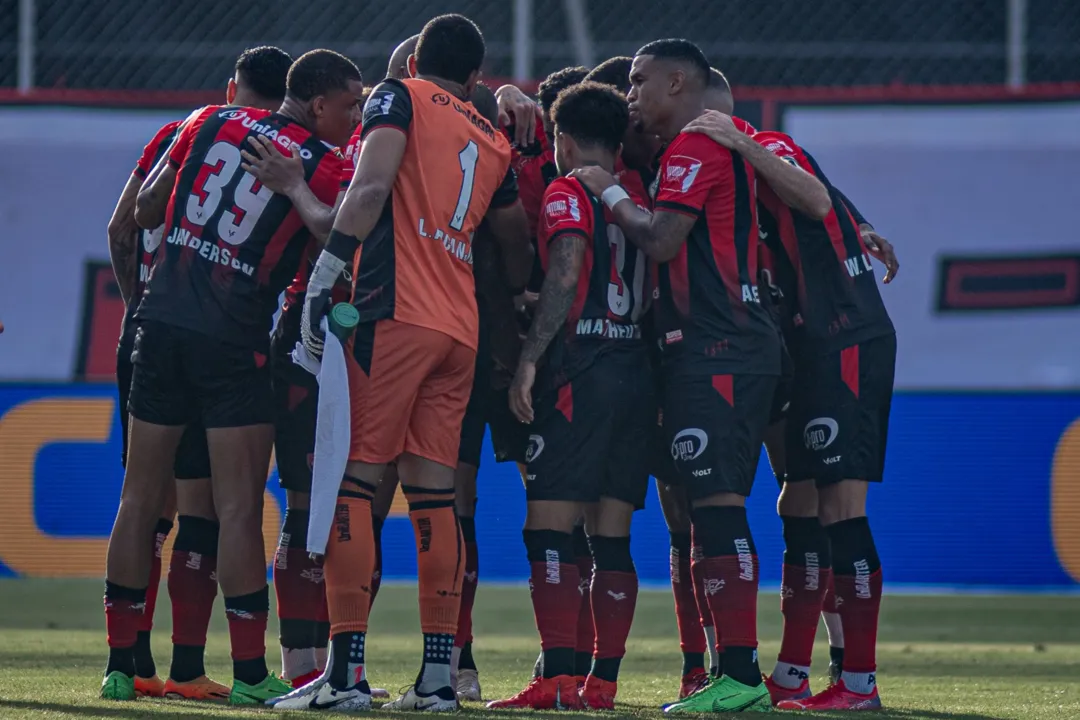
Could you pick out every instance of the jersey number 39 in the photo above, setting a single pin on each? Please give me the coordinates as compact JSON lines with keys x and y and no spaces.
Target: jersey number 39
{"x":215,"y":176}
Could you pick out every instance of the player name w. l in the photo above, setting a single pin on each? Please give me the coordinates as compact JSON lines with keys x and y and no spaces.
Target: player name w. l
{"x":855,"y":268}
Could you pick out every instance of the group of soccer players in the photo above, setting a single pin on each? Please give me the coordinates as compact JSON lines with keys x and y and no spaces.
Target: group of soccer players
{"x":622,"y":281}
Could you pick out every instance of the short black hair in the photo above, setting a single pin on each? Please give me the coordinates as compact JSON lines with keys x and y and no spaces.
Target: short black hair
{"x":450,"y":47}
{"x":681,"y":51}
{"x":264,"y":70}
{"x":558,"y":81}
{"x":592,"y":114}
{"x":613,"y":71}
{"x":483,"y":99}
{"x":719,"y":81}
{"x":319,"y":72}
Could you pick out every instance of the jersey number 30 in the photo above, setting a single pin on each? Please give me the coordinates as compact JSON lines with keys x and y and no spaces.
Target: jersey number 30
{"x":220,"y":166}
{"x":623,"y":299}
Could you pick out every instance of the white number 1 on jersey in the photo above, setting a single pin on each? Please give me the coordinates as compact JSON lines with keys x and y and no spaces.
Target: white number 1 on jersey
{"x":467,"y":159}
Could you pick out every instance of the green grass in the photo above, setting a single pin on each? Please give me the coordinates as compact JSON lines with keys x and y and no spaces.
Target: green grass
{"x":966,"y":658}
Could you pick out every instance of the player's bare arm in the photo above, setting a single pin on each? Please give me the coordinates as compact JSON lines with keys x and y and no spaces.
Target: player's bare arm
{"x":510,"y":226}
{"x":124,"y":239}
{"x":878,"y":246}
{"x":518,"y":109}
{"x":881,"y":249}
{"x":659,"y":235}
{"x":556,"y":299}
{"x":153,"y":198}
{"x":376,"y":169}
{"x":797,"y":188}
{"x":284,"y":174}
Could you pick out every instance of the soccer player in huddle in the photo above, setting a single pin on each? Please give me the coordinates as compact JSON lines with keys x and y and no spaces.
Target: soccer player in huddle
{"x":259,"y":81}
{"x":590,"y":407}
{"x":721,"y":351}
{"x":843,"y":348}
{"x":230,"y":248}
{"x":411,"y":359}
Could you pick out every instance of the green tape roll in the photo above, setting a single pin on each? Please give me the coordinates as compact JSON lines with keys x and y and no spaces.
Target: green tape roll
{"x":343,"y":320}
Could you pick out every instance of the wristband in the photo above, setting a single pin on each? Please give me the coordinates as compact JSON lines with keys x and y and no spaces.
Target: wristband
{"x":614,"y":195}
{"x":328,"y":269}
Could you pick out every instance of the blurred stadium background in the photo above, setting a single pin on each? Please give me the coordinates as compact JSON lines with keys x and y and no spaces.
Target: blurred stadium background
{"x":951,"y":123}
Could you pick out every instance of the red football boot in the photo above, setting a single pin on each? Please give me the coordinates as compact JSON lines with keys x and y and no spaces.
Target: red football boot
{"x":598,"y":694}
{"x":779,"y":693}
{"x":693,"y":681}
{"x":835,"y":697}
{"x":557,"y":693}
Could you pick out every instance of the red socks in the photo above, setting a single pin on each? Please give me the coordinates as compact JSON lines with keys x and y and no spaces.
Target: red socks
{"x":193,"y":579}
{"x":586,"y":631}
{"x":691,"y":635}
{"x":247,"y":615}
{"x":160,"y":533}
{"x":614,"y":598}
{"x":857,"y":581}
{"x":730,"y":581}
{"x":806,"y":574}
{"x":298,"y":584}
{"x":468,"y":587}
{"x":553,"y":582}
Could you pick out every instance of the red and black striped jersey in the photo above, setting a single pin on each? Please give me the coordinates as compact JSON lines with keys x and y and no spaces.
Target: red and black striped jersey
{"x":709,"y":317}
{"x":231,"y":246}
{"x":611,"y":299}
{"x":148,"y":240}
{"x":822,"y":267}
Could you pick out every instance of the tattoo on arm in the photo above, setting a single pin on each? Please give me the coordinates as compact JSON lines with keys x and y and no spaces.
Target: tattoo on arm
{"x":122,"y":254}
{"x":556,"y":295}
{"x":660,"y":235}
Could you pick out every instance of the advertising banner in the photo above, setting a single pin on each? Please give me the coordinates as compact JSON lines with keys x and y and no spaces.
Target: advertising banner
{"x":980,"y":491}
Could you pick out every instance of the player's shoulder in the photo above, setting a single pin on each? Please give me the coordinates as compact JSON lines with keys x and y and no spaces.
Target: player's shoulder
{"x":694,"y":146}
{"x":776,"y":142}
{"x":565,"y":204}
{"x":744,"y":127}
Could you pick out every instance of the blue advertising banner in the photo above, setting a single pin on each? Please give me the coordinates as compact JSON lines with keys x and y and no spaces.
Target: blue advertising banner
{"x":981,"y":490}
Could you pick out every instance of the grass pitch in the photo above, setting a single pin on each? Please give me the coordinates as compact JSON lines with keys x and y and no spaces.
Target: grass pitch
{"x":967,"y":658}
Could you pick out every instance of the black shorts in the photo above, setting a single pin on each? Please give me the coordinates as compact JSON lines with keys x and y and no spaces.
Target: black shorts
{"x":714,"y":428}
{"x":590,"y":437}
{"x":296,"y":408}
{"x":192,"y":456}
{"x":781,"y":402}
{"x":183,"y":377}
{"x":838,"y":423}
{"x":490,"y":408}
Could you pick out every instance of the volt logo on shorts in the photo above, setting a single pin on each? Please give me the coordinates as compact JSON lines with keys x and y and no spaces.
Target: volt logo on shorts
{"x":536,"y":446}
{"x":689,"y":444}
{"x":820,"y":433}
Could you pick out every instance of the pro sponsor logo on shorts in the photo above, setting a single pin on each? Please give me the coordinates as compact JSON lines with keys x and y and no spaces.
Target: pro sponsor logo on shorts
{"x":536,"y":446}
{"x":689,"y":444}
{"x":679,"y":173}
{"x":561,"y":207}
{"x":820,"y":433}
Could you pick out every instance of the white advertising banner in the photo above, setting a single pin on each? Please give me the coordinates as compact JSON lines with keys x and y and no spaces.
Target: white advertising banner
{"x":964,"y":181}
{"x":994,"y":181}
{"x":61,"y":174}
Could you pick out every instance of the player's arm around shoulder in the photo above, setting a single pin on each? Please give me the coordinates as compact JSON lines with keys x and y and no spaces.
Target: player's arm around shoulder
{"x":660,"y":234}
{"x":796,"y":187}
{"x":153,"y":197}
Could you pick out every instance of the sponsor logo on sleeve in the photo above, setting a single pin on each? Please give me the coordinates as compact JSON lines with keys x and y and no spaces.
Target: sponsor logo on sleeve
{"x":380,"y":103}
{"x":679,"y":173}
{"x":561,"y":207}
